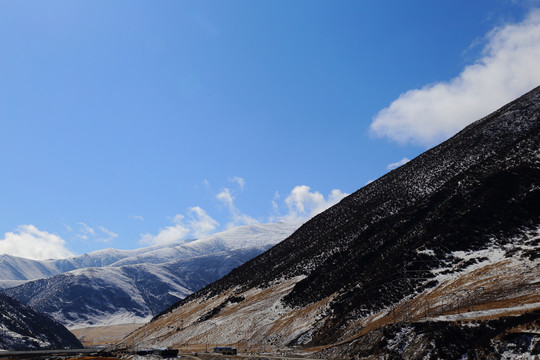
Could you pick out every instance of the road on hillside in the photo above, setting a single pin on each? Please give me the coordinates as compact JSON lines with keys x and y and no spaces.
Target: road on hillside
{"x":209,"y":356}
{"x":48,"y":353}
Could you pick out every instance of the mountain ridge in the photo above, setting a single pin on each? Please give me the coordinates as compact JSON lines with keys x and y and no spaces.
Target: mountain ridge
{"x":381,"y":255}
{"x":16,"y":270}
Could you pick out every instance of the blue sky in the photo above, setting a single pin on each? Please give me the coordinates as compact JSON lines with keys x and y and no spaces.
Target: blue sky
{"x":128,"y":123}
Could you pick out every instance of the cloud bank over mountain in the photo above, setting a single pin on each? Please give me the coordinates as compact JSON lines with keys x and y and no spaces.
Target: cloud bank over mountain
{"x":30,"y":242}
{"x":299,"y":205}
{"x":507,"y":68}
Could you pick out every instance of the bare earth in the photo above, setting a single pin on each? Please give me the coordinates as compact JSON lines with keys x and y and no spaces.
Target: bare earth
{"x":103,"y":335}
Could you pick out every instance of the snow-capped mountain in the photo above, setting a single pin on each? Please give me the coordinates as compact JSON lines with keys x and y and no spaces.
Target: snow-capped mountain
{"x":241,"y":237}
{"x":453,"y":235}
{"x":22,"y":328}
{"x":16,"y":270}
{"x":136,"y":285}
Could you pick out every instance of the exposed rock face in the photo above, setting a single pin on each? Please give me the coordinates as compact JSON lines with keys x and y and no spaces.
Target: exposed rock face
{"x":22,"y":328}
{"x":452,"y":235}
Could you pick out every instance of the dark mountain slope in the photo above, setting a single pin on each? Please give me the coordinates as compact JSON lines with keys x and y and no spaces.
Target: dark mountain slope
{"x":366,"y":223}
{"x":22,"y":328}
{"x":510,"y":337}
{"x":411,"y":238}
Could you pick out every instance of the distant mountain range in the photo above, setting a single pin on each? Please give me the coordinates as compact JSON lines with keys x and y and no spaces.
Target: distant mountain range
{"x":439,"y":258}
{"x":16,"y":270}
{"x":110,"y":287}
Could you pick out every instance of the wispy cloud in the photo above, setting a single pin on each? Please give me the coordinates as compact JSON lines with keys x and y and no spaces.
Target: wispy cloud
{"x":226,"y":197}
{"x":240,"y":181}
{"x":508,"y":68}
{"x":201,"y":223}
{"x":137,"y":217}
{"x":275,"y":200}
{"x":109,"y":235}
{"x":301,"y":204}
{"x":237,"y":217}
{"x":88,"y":233}
{"x":30,"y":242}
{"x":397,"y":164}
{"x":85,"y":231}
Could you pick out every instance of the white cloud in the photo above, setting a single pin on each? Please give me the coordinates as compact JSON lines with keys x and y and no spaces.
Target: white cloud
{"x":303,"y":204}
{"x":508,"y":68}
{"x":30,"y":242}
{"x":138,"y":217}
{"x":397,"y":164}
{"x":241,"y":182}
{"x":237,"y":218}
{"x":201,"y":223}
{"x":169,"y":234}
{"x":226,"y":197}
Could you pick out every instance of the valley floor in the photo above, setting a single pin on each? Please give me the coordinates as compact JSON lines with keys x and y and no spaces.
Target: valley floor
{"x":103,"y":336}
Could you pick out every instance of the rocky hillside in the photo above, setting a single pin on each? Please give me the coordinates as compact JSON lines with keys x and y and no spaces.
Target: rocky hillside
{"x":22,"y":328}
{"x":453,"y":235}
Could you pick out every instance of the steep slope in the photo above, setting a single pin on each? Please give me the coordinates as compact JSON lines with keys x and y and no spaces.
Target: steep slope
{"x":407,"y":247}
{"x":119,"y":293}
{"x":22,"y":328}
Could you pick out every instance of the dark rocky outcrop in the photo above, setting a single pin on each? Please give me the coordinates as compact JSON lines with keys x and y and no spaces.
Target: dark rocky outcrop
{"x":22,"y":328}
